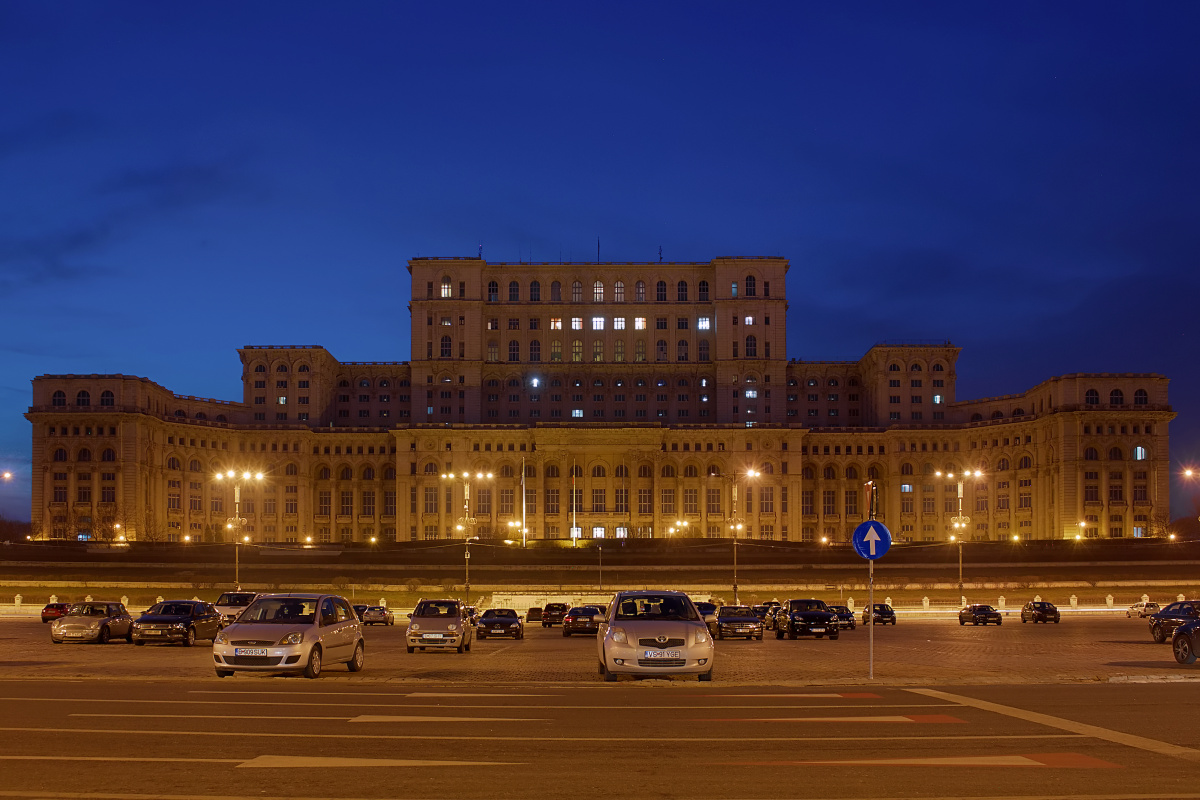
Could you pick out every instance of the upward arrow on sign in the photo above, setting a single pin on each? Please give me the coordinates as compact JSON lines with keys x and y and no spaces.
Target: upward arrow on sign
{"x":871,"y":538}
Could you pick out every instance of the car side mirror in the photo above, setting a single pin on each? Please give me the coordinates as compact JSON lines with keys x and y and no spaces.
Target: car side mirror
{"x":597,"y":618}
{"x":409,"y":616}
{"x":710,"y":618}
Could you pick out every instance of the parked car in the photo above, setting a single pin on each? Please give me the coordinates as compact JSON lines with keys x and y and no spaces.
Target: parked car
{"x":182,"y":621}
{"x":377,"y":615}
{"x":53,"y":611}
{"x":707,"y":610}
{"x":770,"y":619}
{"x":807,"y":617}
{"x":760,"y":611}
{"x":844,"y":616}
{"x":884,"y":615}
{"x":291,"y":633}
{"x":440,"y":624}
{"x":230,"y":604}
{"x":359,"y":610}
{"x":1184,"y":642}
{"x":979,"y":614}
{"x":654,"y":633}
{"x":534,"y":614}
{"x":472,"y":614}
{"x":97,"y":622}
{"x":500,"y":622}
{"x":738,"y":621}
{"x":1163,"y":623}
{"x":1141,"y":609}
{"x":553,"y":613}
{"x":581,"y":619}
{"x":1040,"y":611}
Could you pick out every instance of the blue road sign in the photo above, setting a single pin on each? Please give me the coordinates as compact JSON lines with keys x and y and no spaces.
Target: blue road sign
{"x":871,"y":540}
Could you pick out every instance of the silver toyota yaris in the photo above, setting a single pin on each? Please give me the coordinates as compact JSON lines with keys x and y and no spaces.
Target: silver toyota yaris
{"x":654,"y":633}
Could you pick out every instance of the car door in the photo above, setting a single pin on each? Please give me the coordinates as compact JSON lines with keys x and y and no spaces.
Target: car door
{"x":120,"y":622}
{"x":348,"y":628}
{"x":204,"y":620}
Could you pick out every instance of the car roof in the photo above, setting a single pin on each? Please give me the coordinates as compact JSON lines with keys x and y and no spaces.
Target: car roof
{"x":298,"y":595}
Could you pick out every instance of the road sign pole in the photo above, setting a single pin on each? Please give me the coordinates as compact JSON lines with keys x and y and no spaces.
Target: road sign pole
{"x":871,"y":617}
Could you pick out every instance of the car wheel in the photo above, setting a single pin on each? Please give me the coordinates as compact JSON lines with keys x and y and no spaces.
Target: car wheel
{"x":104,"y":635}
{"x":467,"y":647}
{"x":759,"y":637}
{"x":833,"y":637}
{"x":356,"y":661}
{"x":999,"y":622}
{"x":1158,"y":634}
{"x":461,"y":647}
{"x":1184,"y":652}
{"x":189,"y":637}
{"x":961,"y":622}
{"x":411,"y":649}
{"x":778,"y":633}
{"x":599,"y":667}
{"x":1023,"y":620}
{"x":720,"y":635}
{"x":313,"y":668}
{"x":1056,"y":620}
{"x":482,"y":636}
{"x":224,"y":673}
{"x":705,"y":676}
{"x":791,"y":634}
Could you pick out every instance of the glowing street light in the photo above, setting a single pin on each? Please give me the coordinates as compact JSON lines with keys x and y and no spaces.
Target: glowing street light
{"x":234,"y":524}
{"x":466,"y":523}
{"x":960,"y":521}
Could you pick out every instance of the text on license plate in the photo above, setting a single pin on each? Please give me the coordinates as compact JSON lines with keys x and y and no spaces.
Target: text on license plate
{"x":663,"y":654}
{"x":817,"y":630}
{"x":152,"y":633}
{"x":499,"y":630}
{"x":431,"y":636}
{"x":250,"y":651}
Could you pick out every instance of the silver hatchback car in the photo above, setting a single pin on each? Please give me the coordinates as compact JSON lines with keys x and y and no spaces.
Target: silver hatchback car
{"x":291,"y":633}
{"x":654,"y":633}
{"x":93,"y":622}
{"x":440,"y":624}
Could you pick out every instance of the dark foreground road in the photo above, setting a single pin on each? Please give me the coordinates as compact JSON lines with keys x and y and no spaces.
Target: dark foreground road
{"x":1088,"y":709}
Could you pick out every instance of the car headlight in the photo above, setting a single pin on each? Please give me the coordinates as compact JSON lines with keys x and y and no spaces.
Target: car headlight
{"x":293,"y":638}
{"x":702,"y":636}
{"x":412,"y":626}
{"x":221,"y":638}
{"x":618,"y":635}
{"x":451,"y":627}
{"x":178,"y":626}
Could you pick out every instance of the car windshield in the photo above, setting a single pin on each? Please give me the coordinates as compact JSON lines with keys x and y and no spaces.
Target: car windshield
{"x":652,"y":606}
{"x":171,"y":609}
{"x":735,"y":611}
{"x":88,"y":610}
{"x":235,"y":599}
{"x":280,"y":610}
{"x":839,"y":609}
{"x":436,"y":608}
{"x":807,"y":605}
{"x":493,"y":613}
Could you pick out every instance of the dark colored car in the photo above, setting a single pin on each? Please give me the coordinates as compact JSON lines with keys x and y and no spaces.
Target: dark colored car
{"x":582,"y":619}
{"x":735,"y":621}
{"x":553,"y":613}
{"x":884,"y":615}
{"x":182,"y":621}
{"x":500,"y":622}
{"x":706,"y":610}
{"x":359,"y":611}
{"x":472,"y":613}
{"x":845,"y":617}
{"x":1185,"y":641}
{"x":806,"y":617}
{"x":979,"y":614}
{"x":760,"y":611}
{"x":534,"y":614}
{"x":1039,"y":611}
{"x":54,"y":611}
{"x":1164,"y":623}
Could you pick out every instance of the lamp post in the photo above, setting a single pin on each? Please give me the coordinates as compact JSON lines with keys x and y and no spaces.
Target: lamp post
{"x":515,"y":526}
{"x":736,"y":523}
{"x":960,"y":521}
{"x":466,"y":523}
{"x":1082,"y":530}
{"x":600,"y":555}
{"x":467,"y":567}
{"x":236,"y":522}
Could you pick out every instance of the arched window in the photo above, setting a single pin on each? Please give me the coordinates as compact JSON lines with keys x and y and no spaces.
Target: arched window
{"x":389,"y":473}
{"x":619,"y":351}
{"x":751,"y":347}
{"x":1018,"y":412}
{"x":556,"y":350}
{"x":84,"y":455}
{"x":915,"y":368}
{"x":82,"y":398}
{"x":681,"y":291}
{"x":493,"y":292}
{"x":807,"y":473}
{"x":59,"y":398}
{"x":179,"y":412}
{"x":851,"y":473}
{"x":833,"y":381}
{"x":576,"y":471}
{"x":1116,"y":397}
{"x":514,"y":350}
{"x":260,"y":368}
{"x":644,"y":471}
{"x":660,"y":350}
{"x":343,"y":384}
{"x":535,"y":292}
{"x":447,"y":291}
{"x":976,"y":417}
{"x":660,"y":291}
{"x":555,"y":292}
{"x":997,"y":414}
{"x":927,"y":468}
{"x":1091,"y":397}
{"x":621,"y":471}
{"x":108,"y":455}
{"x":221,"y":418}
{"x":60,"y":454}
{"x":201,"y":415}
{"x":681,"y":350}
{"x":702,"y":291}
{"x":702,"y":352}
{"x":938,"y":368}
{"x":619,"y":292}
{"x":194,"y":466}
{"x":577,"y":350}
{"x":1140,"y":398}
{"x":173,"y":463}
{"x":431,"y":468}
{"x":303,"y":368}
{"x":690,"y":471}
{"x":1025,"y":463}
{"x":598,"y":471}
{"x":639,"y":291}
{"x":767,"y":469}
{"x":639,"y":350}
{"x":1139,"y":453}
{"x":893,"y":367}
{"x":552,"y":471}
{"x":576,"y":292}
{"x":384,"y":383}
{"x":506,"y":471}
{"x":514,"y":292}
{"x":323,"y":474}
{"x":598,"y":292}
{"x":106,"y":398}
{"x":535,"y":350}
{"x":1002,"y":465}
{"x":281,"y":368}
{"x":668,"y":471}
{"x":598,"y":350}
{"x":348,"y":475}
{"x":446,"y":349}
{"x":1091,"y":454}
{"x":906,"y":469}
{"x":1115,"y":454}
{"x":830,"y":474}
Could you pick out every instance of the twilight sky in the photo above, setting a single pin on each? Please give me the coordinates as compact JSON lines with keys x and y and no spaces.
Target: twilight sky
{"x":181,"y":179}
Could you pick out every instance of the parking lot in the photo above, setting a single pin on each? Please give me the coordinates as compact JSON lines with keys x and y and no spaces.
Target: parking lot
{"x":913,"y":652}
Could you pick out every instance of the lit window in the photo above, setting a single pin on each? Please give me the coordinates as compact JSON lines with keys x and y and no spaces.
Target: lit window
{"x":937,"y":399}
{"x":576,"y":323}
{"x":556,"y":323}
{"x":576,"y":412}
{"x":618,"y":323}
{"x":906,"y":487}
{"x":639,"y":323}
{"x":597,"y":323}
{"x":703,"y":324}
{"x":281,"y":400}
{"x":751,"y":393}
{"x":749,"y":320}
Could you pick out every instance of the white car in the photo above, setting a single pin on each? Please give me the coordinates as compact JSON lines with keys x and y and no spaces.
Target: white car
{"x":652,"y":633}
{"x":1140,"y":610}
{"x":230,"y":604}
{"x":291,"y":633}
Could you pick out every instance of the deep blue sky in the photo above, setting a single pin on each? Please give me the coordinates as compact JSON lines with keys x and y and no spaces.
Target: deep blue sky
{"x":181,"y":179}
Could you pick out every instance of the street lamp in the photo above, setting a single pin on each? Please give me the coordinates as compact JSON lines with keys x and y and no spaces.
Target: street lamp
{"x":467,"y":567}
{"x":960,"y":521}
{"x":236,"y":522}
{"x":517,"y":526}
{"x":466,"y":523}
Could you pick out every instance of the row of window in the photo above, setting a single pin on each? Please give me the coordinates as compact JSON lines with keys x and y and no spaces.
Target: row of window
{"x":598,"y":350}
{"x":598,"y":291}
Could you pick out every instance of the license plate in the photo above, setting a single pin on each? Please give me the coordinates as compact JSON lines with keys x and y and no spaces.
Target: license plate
{"x":78,"y":635}
{"x":817,"y":630}
{"x":431,"y":636}
{"x":152,"y":633}
{"x":499,"y":630}
{"x":250,"y":651}
{"x":663,"y":654}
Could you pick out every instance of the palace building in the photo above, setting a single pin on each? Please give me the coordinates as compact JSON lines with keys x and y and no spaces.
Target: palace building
{"x":605,"y":400}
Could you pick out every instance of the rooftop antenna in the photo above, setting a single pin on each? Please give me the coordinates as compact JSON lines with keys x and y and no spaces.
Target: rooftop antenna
{"x":660,"y":254}
{"x":481,"y":250}
{"x":597,"y":249}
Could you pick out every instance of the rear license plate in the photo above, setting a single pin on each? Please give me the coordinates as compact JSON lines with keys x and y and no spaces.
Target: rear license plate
{"x":249,"y":651}
{"x":663,"y":654}
{"x":431,"y":636}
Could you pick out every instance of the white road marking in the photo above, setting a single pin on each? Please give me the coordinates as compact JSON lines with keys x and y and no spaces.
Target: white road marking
{"x":109,"y":759}
{"x":160,"y":796}
{"x":371,"y":694}
{"x":382,"y":718}
{"x":1081,"y":728}
{"x":321,"y":762}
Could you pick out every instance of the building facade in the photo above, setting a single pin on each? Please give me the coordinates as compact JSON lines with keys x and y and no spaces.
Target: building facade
{"x":604,"y":400}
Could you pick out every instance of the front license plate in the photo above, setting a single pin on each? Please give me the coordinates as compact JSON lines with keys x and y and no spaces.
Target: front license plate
{"x":249,"y":651}
{"x":499,"y":630}
{"x":152,"y":633}
{"x":817,"y":630}
{"x":663,"y":654}
{"x":431,"y":636}
{"x":78,"y":635}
